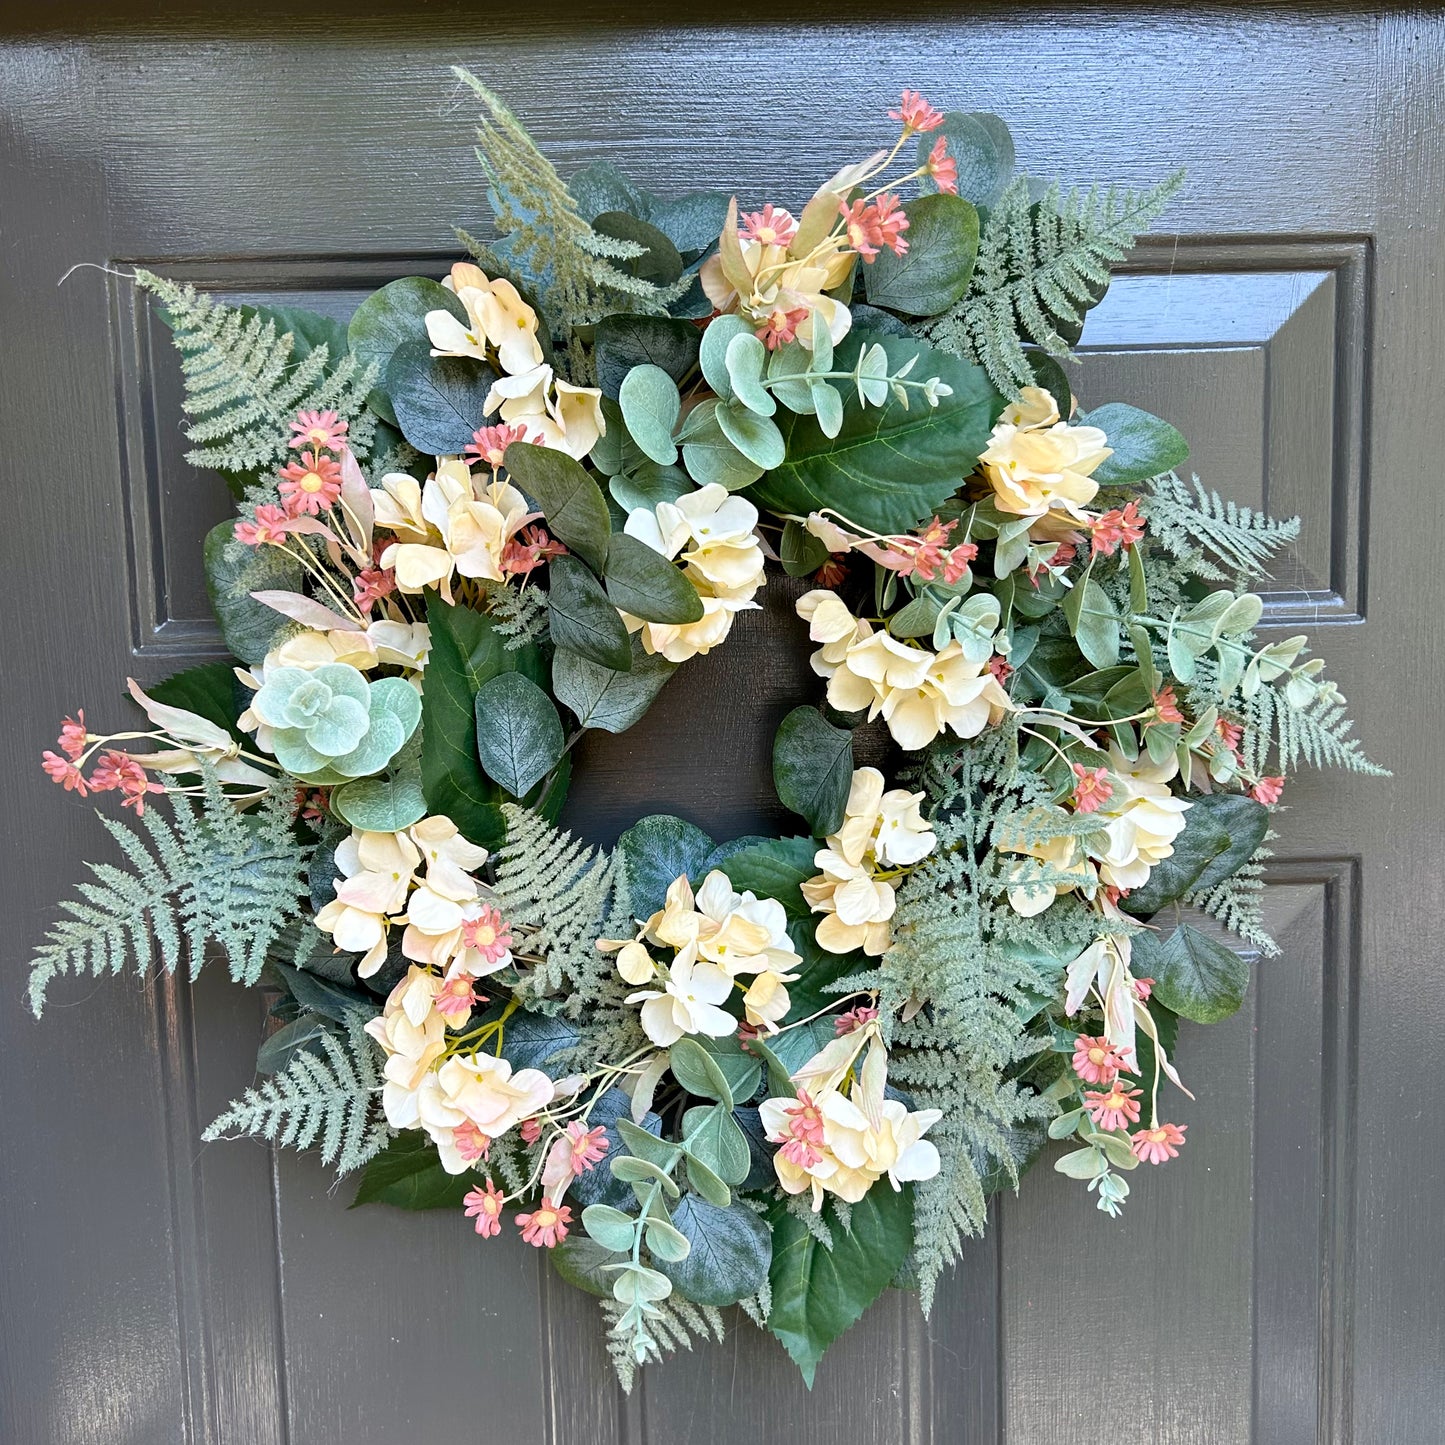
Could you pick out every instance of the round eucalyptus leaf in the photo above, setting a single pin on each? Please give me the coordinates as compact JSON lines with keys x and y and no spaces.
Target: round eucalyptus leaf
{"x":730,"y":1252}
{"x":393,"y":317}
{"x":650,"y":406}
{"x":439,"y":400}
{"x":381,"y":805}
{"x":519,"y":735}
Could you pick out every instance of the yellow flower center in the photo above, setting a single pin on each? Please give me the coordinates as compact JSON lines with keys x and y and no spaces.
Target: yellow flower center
{"x":311,"y":482}
{"x":1096,"y":1056}
{"x":485,"y":935}
{"x":545,"y":1218}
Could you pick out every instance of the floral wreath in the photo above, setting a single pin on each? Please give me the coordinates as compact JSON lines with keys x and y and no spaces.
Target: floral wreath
{"x":493,"y":513}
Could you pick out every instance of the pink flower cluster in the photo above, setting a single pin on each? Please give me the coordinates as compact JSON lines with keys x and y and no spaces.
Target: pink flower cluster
{"x":926,"y":555}
{"x":873,"y":226}
{"x":1122,"y":527}
{"x":115,"y":770}
{"x":308,"y":486}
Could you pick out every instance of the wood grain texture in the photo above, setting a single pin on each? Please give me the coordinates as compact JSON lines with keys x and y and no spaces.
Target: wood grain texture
{"x":1281,"y":1282}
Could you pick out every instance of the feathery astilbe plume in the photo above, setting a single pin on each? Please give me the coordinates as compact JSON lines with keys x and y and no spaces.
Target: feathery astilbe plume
{"x":672,"y":1324}
{"x":246,"y":378}
{"x":213,"y":875}
{"x":1041,"y":266}
{"x":570,"y":266}
{"x":324,"y":1098}
{"x":1236,"y":542}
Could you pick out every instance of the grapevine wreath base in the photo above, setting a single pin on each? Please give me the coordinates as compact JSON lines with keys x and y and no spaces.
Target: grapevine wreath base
{"x":493,"y":513}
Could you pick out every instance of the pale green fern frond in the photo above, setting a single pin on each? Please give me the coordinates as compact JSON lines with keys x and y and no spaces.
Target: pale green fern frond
{"x":1040,"y":267}
{"x":1237,"y":902}
{"x":569,"y":265}
{"x":671,"y":1324}
{"x":213,"y":875}
{"x":322,"y":1098}
{"x":1315,"y":731}
{"x":245,"y":380}
{"x":520,"y":614}
{"x":1187,"y":520}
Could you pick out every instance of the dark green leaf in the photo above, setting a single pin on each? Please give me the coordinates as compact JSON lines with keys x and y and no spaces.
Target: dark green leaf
{"x":647,"y":585}
{"x":731,"y":1251}
{"x":818,"y":1293}
{"x":627,"y":341}
{"x":409,"y":1175}
{"x":393,"y":317}
{"x":209,"y":691}
{"x":439,"y":400}
{"x":800,"y":552}
{"x":1194,"y":975}
{"x":519,"y":735}
{"x":655,"y":850}
{"x":660,"y":264}
{"x":1244,"y":820}
{"x":580,"y":1261}
{"x":888,"y":467}
{"x":1221,"y":833}
{"x":583,"y":618}
{"x":301,"y":1036}
{"x":250,"y":628}
{"x":569,"y":497}
{"x":981,"y":148}
{"x":1144,"y":446}
{"x":775,"y":869}
{"x":536,"y":1041}
{"x":813,"y":769}
{"x":935,"y":270}
{"x":322,"y":995}
{"x":603,"y":698}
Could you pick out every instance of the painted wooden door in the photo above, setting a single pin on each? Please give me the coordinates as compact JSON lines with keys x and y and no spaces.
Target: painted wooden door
{"x":1280,"y":1283}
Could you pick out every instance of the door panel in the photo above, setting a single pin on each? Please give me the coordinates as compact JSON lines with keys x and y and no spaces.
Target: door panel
{"x":1278,"y":1282}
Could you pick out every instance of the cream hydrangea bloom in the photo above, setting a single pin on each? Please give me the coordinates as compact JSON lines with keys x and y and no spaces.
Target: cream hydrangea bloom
{"x":919,"y":693}
{"x":881,"y":832}
{"x":477,"y":1093}
{"x":376,"y":872}
{"x":567,"y":418}
{"x":1140,"y":821}
{"x":497,"y":319}
{"x":412,"y":1034}
{"x":712,"y":532}
{"x":688,"y":1002}
{"x":1036,"y":463}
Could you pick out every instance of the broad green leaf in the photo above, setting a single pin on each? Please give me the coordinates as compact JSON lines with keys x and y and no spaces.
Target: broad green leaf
{"x":693,"y":220}
{"x":302,"y":1035}
{"x":651,"y":406}
{"x":249,"y":628}
{"x":439,"y":400}
{"x":1194,"y":975}
{"x":647,"y":1145}
{"x":731,"y":1250}
{"x":603,"y":698}
{"x":646,"y":584}
{"x":1093,"y":622}
{"x":1222,"y":831}
{"x":328,"y":997}
{"x":624,"y":342}
{"x":756,"y":437}
{"x":889,"y":467}
{"x":519,"y":735}
{"x":813,"y":769}
{"x":394,"y":317}
{"x":709,"y":455}
{"x":775,"y":869}
{"x":1144,"y":446}
{"x":532,"y":1040}
{"x":741,"y":1070}
{"x":409,"y":1175}
{"x":801,"y":552}
{"x":570,"y":499}
{"x":1245,"y":821}
{"x":983,"y":151}
{"x":655,"y":850}
{"x":712,"y":1135}
{"x":584,"y":618}
{"x":582,"y":1262}
{"x":381,"y":805}
{"x":696,"y":1070}
{"x":660,"y":264}
{"x":818,"y":1293}
{"x":935,"y":270}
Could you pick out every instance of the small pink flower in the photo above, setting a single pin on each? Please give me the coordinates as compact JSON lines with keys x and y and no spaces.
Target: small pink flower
{"x":870,"y":226}
{"x":488,"y":446}
{"x":120,"y":770}
{"x":781,"y":326}
{"x":370,"y":585}
{"x":1115,"y":528}
{"x":455,"y":998}
{"x":315,"y":805}
{"x":1143,"y":987}
{"x":63,"y":771}
{"x":530,"y":1130}
{"x":942,"y":167}
{"x":546,"y":1226}
{"x":832,"y":572}
{"x":322,"y":429}
{"x":1267,"y":791}
{"x":1166,"y":708}
{"x":956,"y":562}
{"x":270,"y":525}
{"x":1096,"y":1061}
{"x":487,"y":934}
{"x":1114,"y":1110}
{"x":73,"y":736}
{"x":526,"y":553}
{"x":586,"y":1145}
{"x":854,"y":1018}
{"x":892,"y":223}
{"x":770,"y":226}
{"x":485,"y":1206}
{"x":470,"y":1142}
{"x":1093,"y":788}
{"x":1114,"y":893}
{"x":1229,"y":733}
{"x":1154,"y":1146}
{"x":311,"y":485}
{"x":1001,"y":669}
{"x":804,"y":1132}
{"x":915,"y":114}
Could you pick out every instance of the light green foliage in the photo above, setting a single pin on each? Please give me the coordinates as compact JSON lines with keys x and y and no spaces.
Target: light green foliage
{"x":211,"y":875}
{"x":1303,"y":728}
{"x":1237,"y":902}
{"x":573,"y":267}
{"x":323,"y":1097}
{"x":1221,"y":542}
{"x":672,"y":1324}
{"x":246,"y":377}
{"x":1039,"y":269}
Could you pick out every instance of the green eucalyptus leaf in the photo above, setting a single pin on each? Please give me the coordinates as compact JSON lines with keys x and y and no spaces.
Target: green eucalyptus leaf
{"x":1093,"y":622}
{"x":656,"y":850}
{"x":603,"y":698}
{"x":381,"y":805}
{"x":935,"y":270}
{"x":649,"y":486}
{"x":625,"y":342}
{"x":519,"y":735}
{"x":745,"y":359}
{"x":584,"y":618}
{"x":982,"y":150}
{"x":393,"y":317}
{"x":570,"y":499}
{"x":707,"y":1183}
{"x":742,"y":1070}
{"x":647,"y":585}
{"x":666,"y":1244}
{"x":1194,"y":975}
{"x":651,"y":406}
{"x":756,"y":437}
{"x":584,"y":1264}
{"x":609,"y":1227}
{"x":709,"y":455}
{"x":698,"y":1072}
{"x":721,"y":332}
{"x":1144,"y":446}
{"x":712,"y":1135}
{"x":813,"y":769}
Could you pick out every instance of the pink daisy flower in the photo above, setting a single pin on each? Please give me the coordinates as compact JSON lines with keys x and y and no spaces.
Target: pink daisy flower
{"x":1119,"y":527}
{"x":804,"y":1132}
{"x":270,"y":525}
{"x":771,"y":226}
{"x":73,"y":736}
{"x":1143,"y":988}
{"x":585,"y":1145}
{"x":942,"y":167}
{"x":915,"y":114}
{"x":860,"y":225}
{"x":1229,"y":733}
{"x":781,"y":326}
{"x":1093,"y":788}
{"x":322,"y":429}
{"x":488,"y":446}
{"x":455,"y":999}
{"x":546,"y":1226}
{"x":956,"y":562}
{"x":530,"y":1130}
{"x":1156,"y":1145}
{"x":487,"y":934}
{"x":311,"y":485}
{"x":485,"y":1206}
{"x":370,"y":585}
{"x":1267,"y":791}
{"x":1001,"y":669}
{"x":63,"y":771}
{"x":527,"y":552}
{"x":1114,"y":1110}
{"x":470,"y":1142}
{"x":1095,"y":1060}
